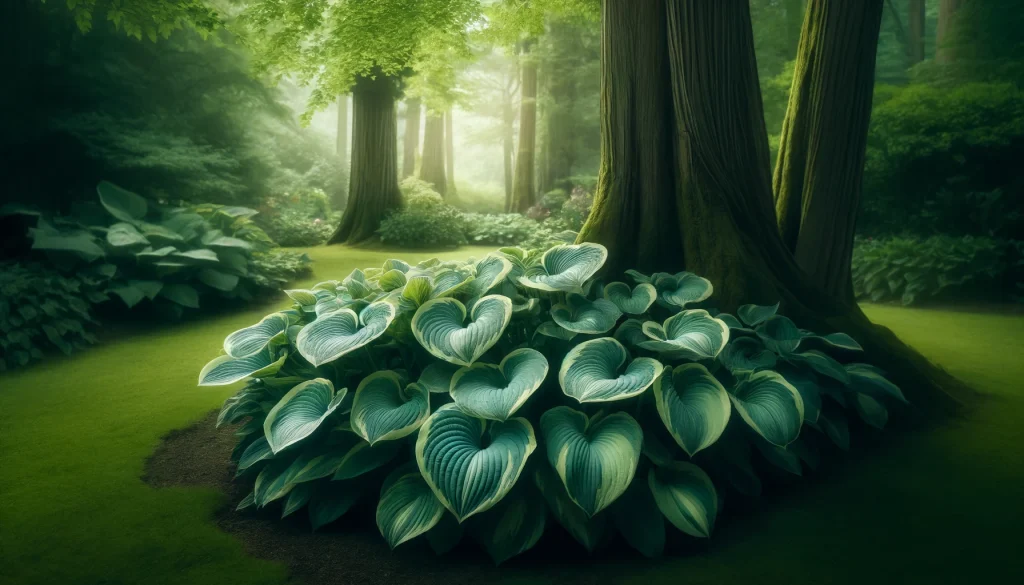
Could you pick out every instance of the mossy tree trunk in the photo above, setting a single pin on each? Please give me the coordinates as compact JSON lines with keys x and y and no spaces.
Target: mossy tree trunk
{"x":820,"y":167}
{"x":720,"y":187}
{"x":411,"y":139}
{"x":432,"y":164}
{"x":915,"y":34}
{"x":342,"y":146}
{"x":449,"y":152}
{"x":373,"y":177}
{"x":944,"y":53}
{"x":523,"y":182}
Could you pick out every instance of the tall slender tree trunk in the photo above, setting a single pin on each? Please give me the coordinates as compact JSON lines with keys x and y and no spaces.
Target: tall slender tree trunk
{"x":449,"y":152}
{"x":343,"y":141}
{"x":915,"y":26}
{"x":523,"y":184}
{"x":432,"y":163}
{"x":373,"y":179}
{"x":944,"y":53}
{"x":723,"y":223}
{"x":411,"y":139}
{"x":818,"y":175}
{"x":508,"y":140}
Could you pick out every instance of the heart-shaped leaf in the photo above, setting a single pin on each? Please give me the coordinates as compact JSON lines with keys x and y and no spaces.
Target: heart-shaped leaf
{"x":806,"y":383}
{"x":581,"y":315}
{"x":383,"y":411}
{"x":694,"y":406}
{"x":335,"y":334}
{"x":868,"y":379}
{"x":226,"y":370}
{"x":771,"y":406}
{"x":838,"y":341}
{"x":592,"y":372}
{"x":595,"y":460}
{"x":686,"y":496}
{"x":250,"y":340}
{"x":464,"y":473}
{"x":681,"y":289}
{"x":587,"y":530}
{"x":489,"y":272}
{"x":391,"y":280}
{"x":631,"y":332}
{"x":407,"y":507}
{"x":780,"y":334}
{"x":747,"y":354}
{"x":822,"y":364}
{"x":122,"y":204}
{"x":633,"y":302}
{"x":300,"y":412}
{"x":439,"y":327}
{"x":124,"y":235}
{"x":437,"y":377}
{"x":565,"y":268}
{"x":497,"y":392}
{"x":258,"y":450}
{"x":556,"y":331}
{"x":754,"y":315}
{"x":692,"y":334}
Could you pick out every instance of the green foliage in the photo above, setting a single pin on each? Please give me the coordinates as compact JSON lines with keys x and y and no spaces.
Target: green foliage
{"x":301,"y":218}
{"x":934,"y":151}
{"x":42,"y":309}
{"x":938,"y":268}
{"x":172,"y":257}
{"x":472,"y":400}
{"x":506,"y":229}
{"x":425,"y":220}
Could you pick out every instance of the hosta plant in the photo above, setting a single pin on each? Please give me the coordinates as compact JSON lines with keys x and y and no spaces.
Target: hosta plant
{"x":487,"y":399}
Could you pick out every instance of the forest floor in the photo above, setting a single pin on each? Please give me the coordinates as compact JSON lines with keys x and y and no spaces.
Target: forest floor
{"x":939,"y":505}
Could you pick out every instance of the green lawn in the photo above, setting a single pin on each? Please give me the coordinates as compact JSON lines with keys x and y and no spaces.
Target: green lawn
{"x":937,"y":506}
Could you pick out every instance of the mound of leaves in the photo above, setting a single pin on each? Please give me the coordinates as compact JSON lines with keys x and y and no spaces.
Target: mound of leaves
{"x":487,"y":399}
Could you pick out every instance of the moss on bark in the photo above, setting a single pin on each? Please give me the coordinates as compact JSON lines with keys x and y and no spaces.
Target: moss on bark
{"x":824,"y":136}
{"x":523,"y":184}
{"x":373,"y":177}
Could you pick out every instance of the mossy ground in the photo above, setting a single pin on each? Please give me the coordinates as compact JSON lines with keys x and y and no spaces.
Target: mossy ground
{"x":942,"y":505}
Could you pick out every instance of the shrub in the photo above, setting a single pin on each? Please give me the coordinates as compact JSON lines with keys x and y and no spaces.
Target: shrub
{"x":485,"y":390}
{"x":42,"y":309}
{"x":554,"y":200}
{"x":425,"y":221}
{"x":170,"y":258}
{"x":507,"y":229}
{"x":576,"y":210}
{"x":303,"y":218}
{"x":939,"y":268}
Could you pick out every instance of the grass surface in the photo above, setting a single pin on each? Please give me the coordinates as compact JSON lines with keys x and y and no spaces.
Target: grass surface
{"x":936,"y":506}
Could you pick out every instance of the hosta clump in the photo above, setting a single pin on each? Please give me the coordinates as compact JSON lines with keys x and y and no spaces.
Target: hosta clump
{"x":485,"y":399}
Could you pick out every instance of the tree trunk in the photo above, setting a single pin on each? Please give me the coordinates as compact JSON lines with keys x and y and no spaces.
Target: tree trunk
{"x":373,"y":178}
{"x":432,"y":163}
{"x":915,"y":26}
{"x":944,"y":53}
{"x":824,"y":136}
{"x":411,"y":139}
{"x":342,"y":145}
{"x":635,"y":213}
{"x":508,"y":141}
{"x":449,"y":152}
{"x":722,"y":192}
{"x":523,"y":186}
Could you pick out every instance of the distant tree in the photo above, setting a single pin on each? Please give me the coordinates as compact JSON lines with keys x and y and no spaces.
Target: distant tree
{"x":449,"y":151}
{"x":915,"y":26}
{"x":945,"y":52}
{"x":411,"y":139}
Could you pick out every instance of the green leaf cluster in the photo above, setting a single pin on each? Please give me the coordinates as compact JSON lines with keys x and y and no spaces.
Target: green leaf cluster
{"x":484,"y":399}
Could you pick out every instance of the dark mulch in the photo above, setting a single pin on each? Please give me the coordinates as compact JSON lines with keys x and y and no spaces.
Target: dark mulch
{"x":351,"y":552}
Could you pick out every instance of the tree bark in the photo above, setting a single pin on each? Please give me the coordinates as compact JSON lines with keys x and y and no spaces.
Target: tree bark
{"x":944,"y":53}
{"x":411,"y":139}
{"x":373,"y":178}
{"x":342,"y":146}
{"x":818,"y":175}
{"x":449,"y":152}
{"x":508,"y":139}
{"x":432,"y":163}
{"x":523,"y":184}
{"x":915,"y":26}
{"x":722,"y":192}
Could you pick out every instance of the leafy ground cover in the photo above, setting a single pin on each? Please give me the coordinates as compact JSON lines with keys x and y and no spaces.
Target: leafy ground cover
{"x":925,"y":506}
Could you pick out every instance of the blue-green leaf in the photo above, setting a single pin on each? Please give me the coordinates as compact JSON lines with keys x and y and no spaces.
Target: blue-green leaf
{"x":686,"y":496}
{"x":822,"y":364}
{"x":252,"y":339}
{"x":439,"y":327}
{"x":581,"y":315}
{"x":632,"y":302}
{"x":754,"y":315}
{"x":331,"y":500}
{"x":226,"y":370}
{"x":565,"y":268}
{"x":747,"y":354}
{"x":587,"y":530}
{"x":694,"y":406}
{"x":335,"y":334}
{"x":868,"y":379}
{"x":639,"y":520}
{"x":467,"y":476}
{"x":437,"y":377}
{"x":407,"y":507}
{"x":592,"y":372}
{"x":489,"y":272}
{"x":779,"y":334}
{"x":122,"y":204}
{"x":595,"y":460}
{"x":692,"y":334}
{"x":124,"y":235}
{"x":362,"y":458}
{"x":300,"y":412}
{"x":496,"y":392}
{"x":383,"y":411}
{"x":513,"y":526}
{"x":771,"y":406}
{"x":681,"y":289}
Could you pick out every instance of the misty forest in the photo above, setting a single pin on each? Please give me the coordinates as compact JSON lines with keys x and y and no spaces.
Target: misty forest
{"x":370,"y":292}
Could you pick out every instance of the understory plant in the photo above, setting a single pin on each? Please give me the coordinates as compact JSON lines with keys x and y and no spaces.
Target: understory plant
{"x":301,"y":218}
{"x":169,"y":257}
{"x":486,"y":399}
{"x":424,"y":221}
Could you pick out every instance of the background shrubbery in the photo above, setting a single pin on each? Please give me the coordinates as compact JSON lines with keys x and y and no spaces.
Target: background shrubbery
{"x":299,"y":218}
